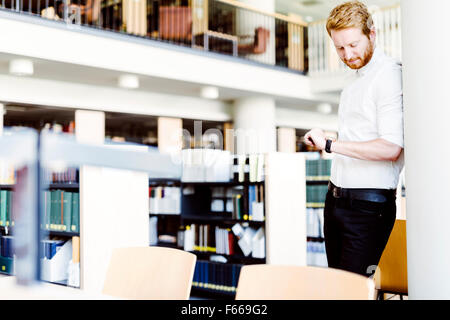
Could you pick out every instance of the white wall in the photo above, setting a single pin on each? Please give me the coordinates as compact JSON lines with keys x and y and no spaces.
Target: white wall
{"x":285,"y":208}
{"x":113,"y":207}
{"x":426,"y":106}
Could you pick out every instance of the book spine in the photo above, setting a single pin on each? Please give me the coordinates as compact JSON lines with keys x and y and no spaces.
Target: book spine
{"x":75,"y":220}
{"x":2,"y":208}
{"x":67,"y":212}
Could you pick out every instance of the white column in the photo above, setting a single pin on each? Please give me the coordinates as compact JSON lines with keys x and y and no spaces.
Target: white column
{"x":2,"y":115}
{"x":426,"y":67}
{"x":254,"y":125}
{"x":113,"y":206}
{"x":286,"y":140}
{"x":247,"y":21}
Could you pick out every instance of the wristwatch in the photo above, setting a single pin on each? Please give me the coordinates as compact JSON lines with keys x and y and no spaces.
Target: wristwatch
{"x":328,"y":145}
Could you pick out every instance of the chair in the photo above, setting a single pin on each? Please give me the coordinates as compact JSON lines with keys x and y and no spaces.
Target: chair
{"x":157,"y":273}
{"x":175,"y":23}
{"x":391,"y":275}
{"x":282,"y":282}
{"x":259,"y":45}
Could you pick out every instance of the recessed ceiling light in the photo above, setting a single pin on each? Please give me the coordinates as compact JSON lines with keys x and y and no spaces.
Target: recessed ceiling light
{"x":21,"y":67}
{"x":324,"y":108}
{"x":209,"y":92}
{"x":311,"y":2}
{"x":128,"y":81}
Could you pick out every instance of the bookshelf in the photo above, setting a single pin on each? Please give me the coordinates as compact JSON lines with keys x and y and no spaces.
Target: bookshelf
{"x":283,"y":225}
{"x":208,"y":228}
{"x":318,"y":172}
{"x":60,"y":228}
{"x":51,"y":241}
{"x":6,"y":230}
{"x":55,"y":243}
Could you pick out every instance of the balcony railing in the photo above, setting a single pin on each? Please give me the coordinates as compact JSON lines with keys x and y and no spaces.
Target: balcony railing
{"x":323,"y":59}
{"x":227,"y":27}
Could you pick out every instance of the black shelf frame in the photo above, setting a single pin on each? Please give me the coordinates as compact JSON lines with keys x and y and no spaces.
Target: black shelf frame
{"x":162,"y":181}
{"x":61,"y":233}
{"x":7,"y":186}
{"x":315,"y":182}
{"x":237,"y":258}
{"x":166,"y":245}
{"x":64,"y":186}
{"x":207,"y":292}
{"x":215,"y":218}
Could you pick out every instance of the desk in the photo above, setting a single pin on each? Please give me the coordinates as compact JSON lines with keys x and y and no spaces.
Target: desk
{"x":216,"y":41}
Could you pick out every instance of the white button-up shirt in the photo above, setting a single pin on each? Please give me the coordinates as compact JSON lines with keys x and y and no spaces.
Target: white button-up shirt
{"x":371,"y":107}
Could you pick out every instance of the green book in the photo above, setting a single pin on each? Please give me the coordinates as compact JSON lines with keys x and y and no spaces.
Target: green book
{"x":55,"y":219}
{"x":3,"y":208}
{"x":75,"y":221}
{"x":9,"y":219}
{"x":67,"y":211}
{"x":60,"y":213}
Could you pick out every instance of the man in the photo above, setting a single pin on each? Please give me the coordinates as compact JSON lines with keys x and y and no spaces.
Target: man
{"x":360,"y":208}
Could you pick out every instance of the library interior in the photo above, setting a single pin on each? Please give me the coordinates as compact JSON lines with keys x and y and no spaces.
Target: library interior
{"x":155,"y":149}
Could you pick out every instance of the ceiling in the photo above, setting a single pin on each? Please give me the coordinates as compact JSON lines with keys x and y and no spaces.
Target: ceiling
{"x":312,"y":10}
{"x":58,"y":71}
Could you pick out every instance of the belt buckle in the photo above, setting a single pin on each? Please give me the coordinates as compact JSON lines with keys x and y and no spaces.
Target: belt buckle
{"x":336,"y":193}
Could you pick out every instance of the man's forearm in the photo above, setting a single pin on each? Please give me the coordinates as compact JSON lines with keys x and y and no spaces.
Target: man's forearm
{"x":374,"y":150}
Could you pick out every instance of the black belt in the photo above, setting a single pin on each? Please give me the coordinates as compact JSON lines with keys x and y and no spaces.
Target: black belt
{"x":374,"y":195}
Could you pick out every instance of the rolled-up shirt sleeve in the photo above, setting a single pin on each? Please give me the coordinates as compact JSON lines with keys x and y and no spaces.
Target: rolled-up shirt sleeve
{"x":388,"y":96}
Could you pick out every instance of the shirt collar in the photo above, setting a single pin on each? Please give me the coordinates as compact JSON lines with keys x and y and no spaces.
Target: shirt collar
{"x":376,"y":56}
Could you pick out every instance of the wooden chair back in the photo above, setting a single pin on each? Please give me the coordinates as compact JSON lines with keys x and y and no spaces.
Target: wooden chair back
{"x":157,"y":273}
{"x":282,"y":282}
{"x":392,"y":272}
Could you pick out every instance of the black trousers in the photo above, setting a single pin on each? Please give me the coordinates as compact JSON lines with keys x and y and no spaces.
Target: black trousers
{"x":356,"y":232}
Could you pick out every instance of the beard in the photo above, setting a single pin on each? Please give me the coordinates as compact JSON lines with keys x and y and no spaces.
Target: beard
{"x":360,"y":62}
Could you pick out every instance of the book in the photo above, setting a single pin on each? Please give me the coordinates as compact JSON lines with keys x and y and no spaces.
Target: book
{"x":261,"y":166}
{"x":7,"y":249}
{"x":75,"y":249}
{"x":153,"y":231}
{"x":9,"y":215}
{"x":47,"y":210}
{"x":246,"y":241}
{"x":251,"y":200}
{"x":253,"y":167}
{"x":55,"y":216}
{"x":75,"y":218}
{"x":67,"y":211}
{"x":188,"y":239}
{"x":241,"y":165}
{"x":230,"y":242}
{"x":51,"y":247}
{"x":238,"y":230}
{"x":258,"y":244}
{"x":3,"y":198}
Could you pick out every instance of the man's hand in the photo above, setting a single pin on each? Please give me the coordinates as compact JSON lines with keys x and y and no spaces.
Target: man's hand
{"x":318,"y":138}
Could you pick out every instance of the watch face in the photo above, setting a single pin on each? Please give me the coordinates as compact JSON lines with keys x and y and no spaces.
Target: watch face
{"x":328,"y":146}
